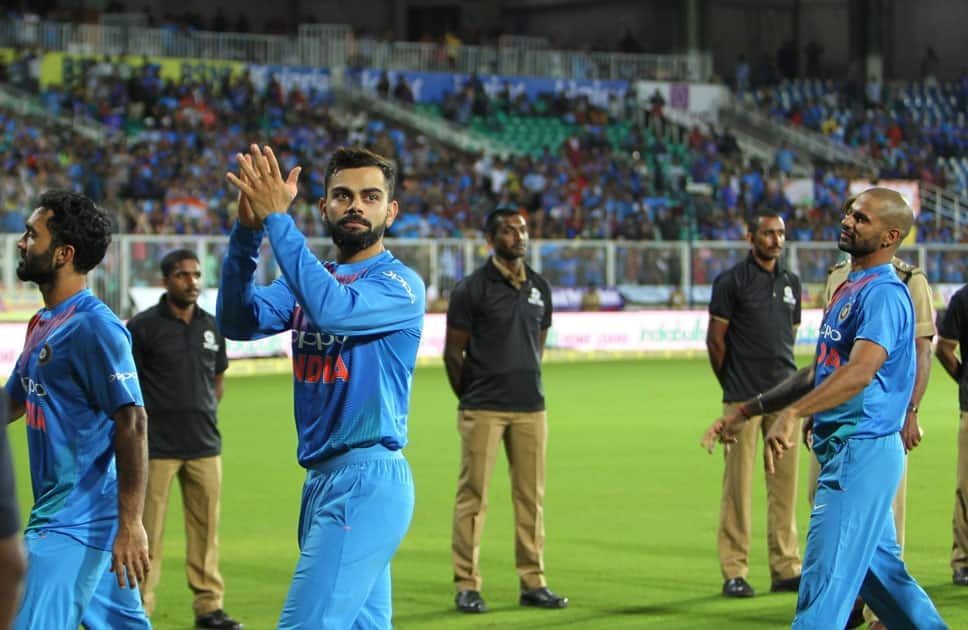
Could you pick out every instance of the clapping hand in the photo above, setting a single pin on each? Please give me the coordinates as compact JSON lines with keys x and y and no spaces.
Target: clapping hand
{"x":261,"y":187}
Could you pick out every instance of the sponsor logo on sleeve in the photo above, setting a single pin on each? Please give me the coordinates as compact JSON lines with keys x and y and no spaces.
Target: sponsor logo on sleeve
{"x":535,"y":298}
{"x":120,"y":377}
{"x":403,"y":283}
{"x":209,"y":342}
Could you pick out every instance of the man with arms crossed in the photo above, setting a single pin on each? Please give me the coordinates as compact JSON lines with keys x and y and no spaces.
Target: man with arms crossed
{"x":77,"y":384}
{"x":497,"y":324}
{"x":952,"y":335}
{"x":181,"y":363}
{"x":857,"y":390}
{"x":754,"y":313}
{"x":356,"y":325}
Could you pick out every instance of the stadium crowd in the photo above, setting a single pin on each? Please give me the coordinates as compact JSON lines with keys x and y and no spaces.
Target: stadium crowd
{"x":610,"y":178}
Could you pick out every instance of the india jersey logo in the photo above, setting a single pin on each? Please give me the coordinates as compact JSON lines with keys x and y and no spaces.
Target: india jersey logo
{"x":45,"y":354}
{"x":844,"y":312}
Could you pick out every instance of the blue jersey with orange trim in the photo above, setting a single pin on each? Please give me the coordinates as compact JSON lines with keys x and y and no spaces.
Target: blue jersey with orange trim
{"x":872,"y":304}
{"x":76,"y":370}
{"x":355,"y":332}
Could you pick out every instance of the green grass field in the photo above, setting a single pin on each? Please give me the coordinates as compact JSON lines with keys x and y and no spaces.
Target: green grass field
{"x":631,"y":508}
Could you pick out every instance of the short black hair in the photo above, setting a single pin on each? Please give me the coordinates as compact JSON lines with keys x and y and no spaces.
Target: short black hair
{"x":75,"y":220}
{"x":753,"y":221}
{"x":172,"y":258}
{"x":358,"y":157}
{"x":495,"y":216}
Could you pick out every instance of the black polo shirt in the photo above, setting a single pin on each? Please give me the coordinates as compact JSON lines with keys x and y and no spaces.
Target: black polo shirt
{"x":177,"y":364}
{"x":502,"y":364}
{"x":762,"y":308}
{"x":954,"y":327}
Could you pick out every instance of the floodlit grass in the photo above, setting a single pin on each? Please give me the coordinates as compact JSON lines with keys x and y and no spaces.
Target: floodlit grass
{"x":631,"y":510}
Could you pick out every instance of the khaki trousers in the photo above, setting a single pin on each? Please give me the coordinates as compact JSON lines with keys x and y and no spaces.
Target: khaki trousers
{"x":525,"y":437}
{"x":959,"y":550}
{"x":736,"y":508}
{"x":200,"y":481}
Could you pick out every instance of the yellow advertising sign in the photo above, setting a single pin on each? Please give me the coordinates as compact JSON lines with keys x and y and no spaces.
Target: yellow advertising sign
{"x":59,"y":68}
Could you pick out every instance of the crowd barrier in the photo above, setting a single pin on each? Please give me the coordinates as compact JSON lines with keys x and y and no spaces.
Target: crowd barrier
{"x":573,"y":336}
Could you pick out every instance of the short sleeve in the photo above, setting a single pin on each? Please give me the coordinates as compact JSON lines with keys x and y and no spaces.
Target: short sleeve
{"x":884,"y":317}
{"x":549,"y":307}
{"x":923,"y":310}
{"x":953,"y":321}
{"x":13,"y":389}
{"x":9,"y":512}
{"x":222,"y":358}
{"x":459,"y":311}
{"x":106,"y":365}
{"x":723,"y":299}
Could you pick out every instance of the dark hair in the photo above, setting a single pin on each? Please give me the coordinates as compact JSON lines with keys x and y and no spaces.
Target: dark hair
{"x":495,"y":216}
{"x":77,"y":222}
{"x":172,"y":258}
{"x":358,"y":157}
{"x":754,"y":220}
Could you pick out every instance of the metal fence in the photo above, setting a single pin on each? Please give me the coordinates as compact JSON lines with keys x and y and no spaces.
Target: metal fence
{"x":650,"y":269}
{"x":334,"y":46}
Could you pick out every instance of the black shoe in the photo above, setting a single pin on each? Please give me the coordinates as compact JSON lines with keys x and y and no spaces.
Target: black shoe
{"x":737,"y":587}
{"x":542,"y":598}
{"x":217,"y":619}
{"x":960,"y":576}
{"x":470,"y":602}
{"x":789,"y":585}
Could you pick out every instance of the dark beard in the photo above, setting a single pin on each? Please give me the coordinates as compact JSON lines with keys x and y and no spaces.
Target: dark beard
{"x":37,"y":269}
{"x":353,"y":241}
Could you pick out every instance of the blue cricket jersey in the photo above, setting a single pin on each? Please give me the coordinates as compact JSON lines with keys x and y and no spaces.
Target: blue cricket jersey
{"x":355,"y":332}
{"x":872,"y":304}
{"x":76,"y":370}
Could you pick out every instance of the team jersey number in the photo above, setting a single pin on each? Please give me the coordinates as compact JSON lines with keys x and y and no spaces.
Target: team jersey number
{"x":35,"y":416}
{"x":828,"y":357}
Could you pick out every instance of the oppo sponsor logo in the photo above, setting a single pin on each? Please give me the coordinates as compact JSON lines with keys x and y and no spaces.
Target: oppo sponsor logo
{"x":32,"y":387}
{"x":318,"y":341}
{"x":827,"y":332}
{"x":120,"y":377}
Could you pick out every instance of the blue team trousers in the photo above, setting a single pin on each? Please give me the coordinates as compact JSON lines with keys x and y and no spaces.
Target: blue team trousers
{"x":115,"y":608}
{"x":852,"y":546}
{"x":356,"y":508}
{"x":62,"y":583}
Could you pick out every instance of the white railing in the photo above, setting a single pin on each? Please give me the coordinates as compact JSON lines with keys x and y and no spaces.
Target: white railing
{"x":946,"y":205}
{"x":651,"y":270}
{"x":808,"y":141}
{"x":333,"y":46}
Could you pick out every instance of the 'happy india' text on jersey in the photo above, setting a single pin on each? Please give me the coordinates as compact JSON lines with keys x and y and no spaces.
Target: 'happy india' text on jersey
{"x":355,"y":332}
{"x":874,"y":305}
{"x":76,"y":370}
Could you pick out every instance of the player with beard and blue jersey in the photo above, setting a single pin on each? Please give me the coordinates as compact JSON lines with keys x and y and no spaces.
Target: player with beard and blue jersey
{"x":356,"y":326}
{"x":86,"y":431}
{"x":857,"y":389}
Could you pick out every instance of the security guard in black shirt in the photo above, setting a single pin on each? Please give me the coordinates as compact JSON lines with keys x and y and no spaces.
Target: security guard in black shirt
{"x":181,"y":362}
{"x":753,"y":316}
{"x":497,"y":323}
